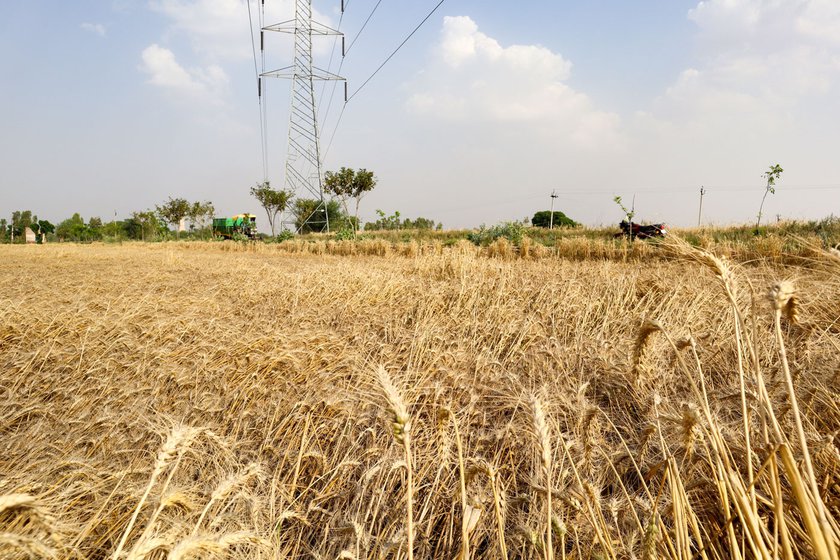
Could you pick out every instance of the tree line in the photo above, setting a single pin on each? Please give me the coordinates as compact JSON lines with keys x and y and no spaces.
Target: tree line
{"x":144,"y":225}
{"x":345,"y":188}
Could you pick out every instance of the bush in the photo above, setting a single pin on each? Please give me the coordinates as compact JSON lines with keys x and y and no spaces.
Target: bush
{"x":512,"y":231}
{"x":543,"y":219}
{"x":285,"y":235}
{"x":344,"y":234}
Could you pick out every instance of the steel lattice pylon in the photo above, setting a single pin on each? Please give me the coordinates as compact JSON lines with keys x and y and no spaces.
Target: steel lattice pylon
{"x":303,"y":161}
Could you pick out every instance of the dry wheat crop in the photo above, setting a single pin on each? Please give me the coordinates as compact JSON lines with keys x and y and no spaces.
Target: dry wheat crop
{"x":188,"y":401}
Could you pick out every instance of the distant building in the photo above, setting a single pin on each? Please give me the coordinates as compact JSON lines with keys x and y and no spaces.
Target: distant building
{"x":30,"y":235}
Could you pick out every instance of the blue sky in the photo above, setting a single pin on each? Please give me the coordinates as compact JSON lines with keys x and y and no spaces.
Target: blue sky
{"x":114,"y":105}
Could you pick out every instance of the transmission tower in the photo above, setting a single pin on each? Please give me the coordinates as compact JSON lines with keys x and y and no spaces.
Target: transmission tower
{"x":303,"y":160}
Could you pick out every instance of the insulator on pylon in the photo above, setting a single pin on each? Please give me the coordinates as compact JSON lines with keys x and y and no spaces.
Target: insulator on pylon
{"x":342,"y":46}
{"x":345,"y":91}
{"x":262,"y":40}
{"x":259,"y":86}
{"x":342,"y":6}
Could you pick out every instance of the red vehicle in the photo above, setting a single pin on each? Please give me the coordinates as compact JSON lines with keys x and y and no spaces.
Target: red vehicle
{"x":634,"y":230}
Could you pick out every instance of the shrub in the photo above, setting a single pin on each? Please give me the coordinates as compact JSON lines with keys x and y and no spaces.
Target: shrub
{"x":543,"y":219}
{"x":285,"y":235}
{"x":512,"y":231}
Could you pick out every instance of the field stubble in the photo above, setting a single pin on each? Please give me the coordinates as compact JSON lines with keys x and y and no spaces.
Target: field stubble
{"x":178,"y":401}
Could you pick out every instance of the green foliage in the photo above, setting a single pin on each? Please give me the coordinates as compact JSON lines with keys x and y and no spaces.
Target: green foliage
{"x":273,"y":201}
{"x":512,"y":231}
{"x":285,"y":235}
{"x":421,"y":223}
{"x":44,"y":227}
{"x":771,"y":175}
{"x":75,"y":229}
{"x":393,"y":222}
{"x":21,"y":219}
{"x":199,"y":215}
{"x":346,"y":183}
{"x":627,"y":213}
{"x":309,"y":215}
{"x":385,"y":222}
{"x":344,"y":234}
{"x":543,"y":219}
{"x":144,"y":226}
{"x":173,"y":211}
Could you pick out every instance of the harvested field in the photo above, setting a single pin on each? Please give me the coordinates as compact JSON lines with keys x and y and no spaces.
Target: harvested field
{"x":181,"y":400}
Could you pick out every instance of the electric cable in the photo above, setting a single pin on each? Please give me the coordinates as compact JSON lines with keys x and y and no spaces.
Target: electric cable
{"x":353,"y":42}
{"x":390,"y":56}
{"x":259,"y":94}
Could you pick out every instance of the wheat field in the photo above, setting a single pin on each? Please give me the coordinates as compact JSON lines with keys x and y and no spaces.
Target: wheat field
{"x":214,"y":401}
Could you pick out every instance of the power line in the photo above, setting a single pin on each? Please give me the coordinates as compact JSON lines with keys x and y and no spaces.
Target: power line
{"x":263,"y":146}
{"x":390,"y":56}
{"x":347,"y":100}
{"x":709,"y":189}
{"x":329,"y":66}
{"x":335,"y":129}
{"x":353,"y":41}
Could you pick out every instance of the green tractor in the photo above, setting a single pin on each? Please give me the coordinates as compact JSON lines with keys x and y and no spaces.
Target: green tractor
{"x":243,"y":224}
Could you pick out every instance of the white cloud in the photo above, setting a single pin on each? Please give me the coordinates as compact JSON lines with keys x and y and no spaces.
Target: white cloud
{"x":473,"y":79}
{"x":761,"y":55}
{"x":821,"y":20}
{"x":218,"y":30}
{"x":95,"y":28}
{"x":761,"y":88}
{"x":206,"y":84}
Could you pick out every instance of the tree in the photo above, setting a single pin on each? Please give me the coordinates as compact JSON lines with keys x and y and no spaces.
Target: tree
{"x":74,"y":229}
{"x":346,"y":183}
{"x":543,"y":219}
{"x":771,"y":175}
{"x":309,"y":211}
{"x":42,"y":228}
{"x":142,"y":225}
{"x":94,"y":228}
{"x":384,"y":221}
{"x":200,"y":213}
{"x":173,"y":211}
{"x":21,"y":219}
{"x":273,"y":201}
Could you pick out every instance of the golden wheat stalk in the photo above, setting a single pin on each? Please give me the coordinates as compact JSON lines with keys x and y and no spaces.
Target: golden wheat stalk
{"x":401,"y":430}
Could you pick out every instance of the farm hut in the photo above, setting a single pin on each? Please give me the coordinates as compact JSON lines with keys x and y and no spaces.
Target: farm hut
{"x":29,"y":235}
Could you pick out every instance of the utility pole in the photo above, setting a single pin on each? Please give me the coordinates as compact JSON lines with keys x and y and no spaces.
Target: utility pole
{"x":700,"y":212}
{"x":551,"y":218}
{"x":303,"y":159}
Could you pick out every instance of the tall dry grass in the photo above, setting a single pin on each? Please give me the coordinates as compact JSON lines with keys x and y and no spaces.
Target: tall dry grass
{"x":187,"y":400}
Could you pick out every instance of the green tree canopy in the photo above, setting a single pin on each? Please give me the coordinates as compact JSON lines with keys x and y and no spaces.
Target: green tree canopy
{"x":173,"y":211}
{"x":200,"y":214}
{"x":346,"y":184}
{"x":543,"y":219}
{"x":22,"y":219}
{"x":75,"y":229}
{"x":144,"y":226}
{"x":309,"y":215}
{"x":273,"y":201}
